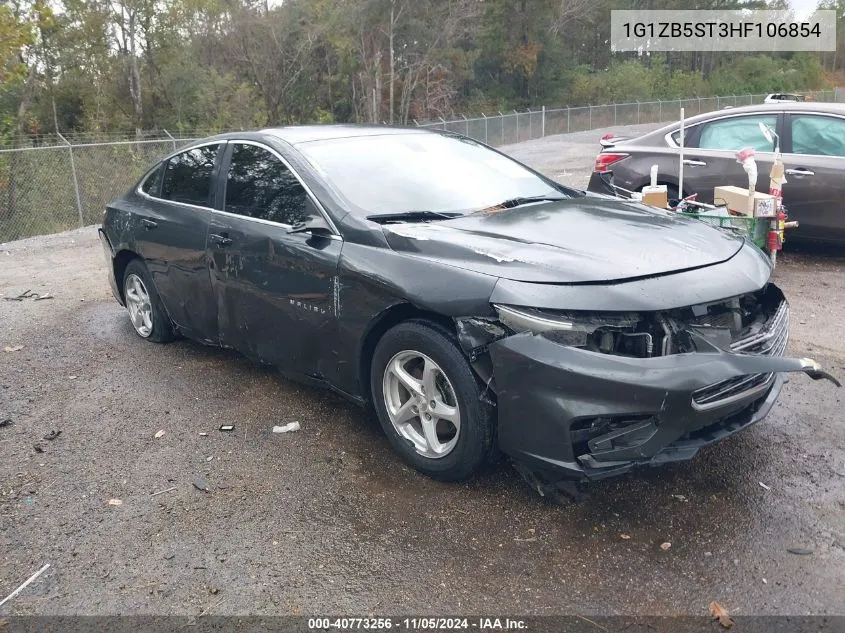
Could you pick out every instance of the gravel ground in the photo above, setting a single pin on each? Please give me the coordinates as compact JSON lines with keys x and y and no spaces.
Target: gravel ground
{"x":327,"y":519}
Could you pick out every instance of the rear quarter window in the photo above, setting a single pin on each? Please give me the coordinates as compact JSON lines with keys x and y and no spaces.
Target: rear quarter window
{"x":187,"y":176}
{"x":152,"y":183}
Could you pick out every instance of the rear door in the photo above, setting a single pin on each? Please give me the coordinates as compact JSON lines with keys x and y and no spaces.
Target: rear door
{"x":275,"y":289}
{"x":710,"y":158}
{"x":814,"y":193}
{"x":173,"y":223}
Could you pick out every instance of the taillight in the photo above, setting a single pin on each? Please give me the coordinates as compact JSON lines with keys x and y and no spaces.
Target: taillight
{"x":603,"y":161}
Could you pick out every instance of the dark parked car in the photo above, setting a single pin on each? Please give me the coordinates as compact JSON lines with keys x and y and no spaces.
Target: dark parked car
{"x":476,"y":304}
{"x":812,"y":140}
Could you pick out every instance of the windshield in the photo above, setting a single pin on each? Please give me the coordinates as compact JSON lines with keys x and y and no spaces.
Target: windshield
{"x":398,"y":173}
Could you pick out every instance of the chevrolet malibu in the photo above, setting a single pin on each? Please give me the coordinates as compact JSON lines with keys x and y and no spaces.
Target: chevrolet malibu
{"x":479,"y":307}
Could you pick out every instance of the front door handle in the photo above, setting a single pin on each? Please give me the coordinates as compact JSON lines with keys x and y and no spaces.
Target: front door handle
{"x":149,"y":224}
{"x":221,"y":240}
{"x":800,"y":171}
{"x":694,"y":163}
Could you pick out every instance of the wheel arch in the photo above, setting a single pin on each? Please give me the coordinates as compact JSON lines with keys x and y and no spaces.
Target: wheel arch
{"x":119,"y":263}
{"x":388,"y":318}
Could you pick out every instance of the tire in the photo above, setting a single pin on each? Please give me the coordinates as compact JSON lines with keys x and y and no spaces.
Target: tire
{"x":146,"y":310}
{"x":462,"y":443}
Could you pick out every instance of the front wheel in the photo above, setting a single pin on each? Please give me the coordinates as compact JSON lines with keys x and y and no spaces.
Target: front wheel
{"x":429,"y":403}
{"x":146,"y":310}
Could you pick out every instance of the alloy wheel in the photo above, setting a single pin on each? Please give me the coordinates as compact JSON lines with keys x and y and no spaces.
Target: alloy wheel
{"x":421,"y":403}
{"x":139,"y":305}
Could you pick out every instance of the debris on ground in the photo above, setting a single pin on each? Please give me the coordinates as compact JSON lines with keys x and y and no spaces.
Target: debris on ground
{"x":52,"y":435}
{"x":199,"y":484}
{"x":764,"y":486}
{"x":159,"y":434}
{"x":115,"y":502}
{"x":209,"y":458}
{"x":625,"y":537}
{"x":30,"y":295}
{"x":12,"y":348}
{"x":161,"y":492}
{"x":680,"y":498}
{"x":203,"y":434}
{"x":665,"y":546}
{"x":5,"y":423}
{"x":721,"y":613}
{"x":38,"y":448}
{"x":25,"y":584}
{"x":227,"y":427}
{"x":287,"y":428}
{"x":800,"y":551}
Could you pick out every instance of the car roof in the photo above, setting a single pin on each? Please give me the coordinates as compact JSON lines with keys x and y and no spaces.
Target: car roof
{"x":295,"y":134}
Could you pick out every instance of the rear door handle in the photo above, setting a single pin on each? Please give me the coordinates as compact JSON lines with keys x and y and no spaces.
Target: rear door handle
{"x":800,"y":172}
{"x":148,"y":224}
{"x":694,"y":163}
{"x":220,"y":240}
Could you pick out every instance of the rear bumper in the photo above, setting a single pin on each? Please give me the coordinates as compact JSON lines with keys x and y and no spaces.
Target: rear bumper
{"x":108,"y":252}
{"x":588,"y":415}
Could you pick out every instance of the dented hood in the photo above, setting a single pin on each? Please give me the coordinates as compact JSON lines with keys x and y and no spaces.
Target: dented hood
{"x":583,"y":240}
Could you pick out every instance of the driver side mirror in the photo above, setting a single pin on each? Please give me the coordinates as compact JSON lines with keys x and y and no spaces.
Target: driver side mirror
{"x":315,"y":225}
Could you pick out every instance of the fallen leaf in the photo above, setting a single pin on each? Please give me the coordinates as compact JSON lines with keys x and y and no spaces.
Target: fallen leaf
{"x":721,"y":613}
{"x":764,"y":486}
{"x":665,"y":546}
{"x":199,"y":484}
{"x":115,"y":502}
{"x":159,"y":434}
{"x":16,"y":348}
{"x":625,"y":536}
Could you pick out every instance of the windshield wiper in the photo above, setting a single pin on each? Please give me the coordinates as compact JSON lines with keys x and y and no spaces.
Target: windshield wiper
{"x":516,"y":202}
{"x":412,"y":216}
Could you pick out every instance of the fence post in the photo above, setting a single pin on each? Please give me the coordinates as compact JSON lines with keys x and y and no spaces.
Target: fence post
{"x":568,"y":111}
{"x":614,"y":114}
{"x":173,"y":140}
{"x":466,"y":124}
{"x":485,"y":129}
{"x":502,"y":120}
{"x":444,"y":122}
{"x":660,"y":110}
{"x":590,"y":119}
{"x":517,"y":125}
{"x":543,"y":123}
{"x":530,"y":125}
{"x":75,"y":181}
{"x":638,"y":111}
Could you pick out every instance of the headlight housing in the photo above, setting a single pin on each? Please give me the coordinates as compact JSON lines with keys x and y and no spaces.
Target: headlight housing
{"x":620,"y":333}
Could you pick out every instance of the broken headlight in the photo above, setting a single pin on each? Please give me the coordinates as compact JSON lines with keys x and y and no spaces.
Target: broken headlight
{"x":621,"y":333}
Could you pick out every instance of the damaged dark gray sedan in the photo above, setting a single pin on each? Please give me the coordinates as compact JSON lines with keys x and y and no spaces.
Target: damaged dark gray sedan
{"x":478,"y":306}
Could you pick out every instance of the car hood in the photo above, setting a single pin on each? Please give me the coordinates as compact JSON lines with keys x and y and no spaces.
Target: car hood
{"x":589,"y":239}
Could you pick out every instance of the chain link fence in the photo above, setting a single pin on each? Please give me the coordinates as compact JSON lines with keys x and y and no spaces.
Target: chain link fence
{"x":51,"y":188}
{"x":505,"y":128}
{"x":58,"y":182}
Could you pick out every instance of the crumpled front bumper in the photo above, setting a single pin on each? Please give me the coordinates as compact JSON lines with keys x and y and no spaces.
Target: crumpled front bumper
{"x":589,"y":415}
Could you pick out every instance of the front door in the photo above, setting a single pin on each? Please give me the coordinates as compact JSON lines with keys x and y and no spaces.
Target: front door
{"x":275,"y":289}
{"x":814,"y":193}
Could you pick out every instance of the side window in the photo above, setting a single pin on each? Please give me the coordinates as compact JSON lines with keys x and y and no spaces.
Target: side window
{"x":187,"y":176}
{"x":152,"y":183}
{"x":259,"y":185}
{"x":737,"y":132}
{"x":819,"y":135}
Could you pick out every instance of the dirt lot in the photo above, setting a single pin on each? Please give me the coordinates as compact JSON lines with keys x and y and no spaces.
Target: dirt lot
{"x":327,"y":520}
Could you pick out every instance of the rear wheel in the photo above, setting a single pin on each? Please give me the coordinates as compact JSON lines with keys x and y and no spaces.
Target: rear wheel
{"x":146,"y":311}
{"x":428,"y":402}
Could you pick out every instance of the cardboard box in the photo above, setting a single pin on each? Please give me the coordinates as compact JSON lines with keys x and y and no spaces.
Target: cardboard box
{"x":736,"y":198}
{"x":656,"y":196}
